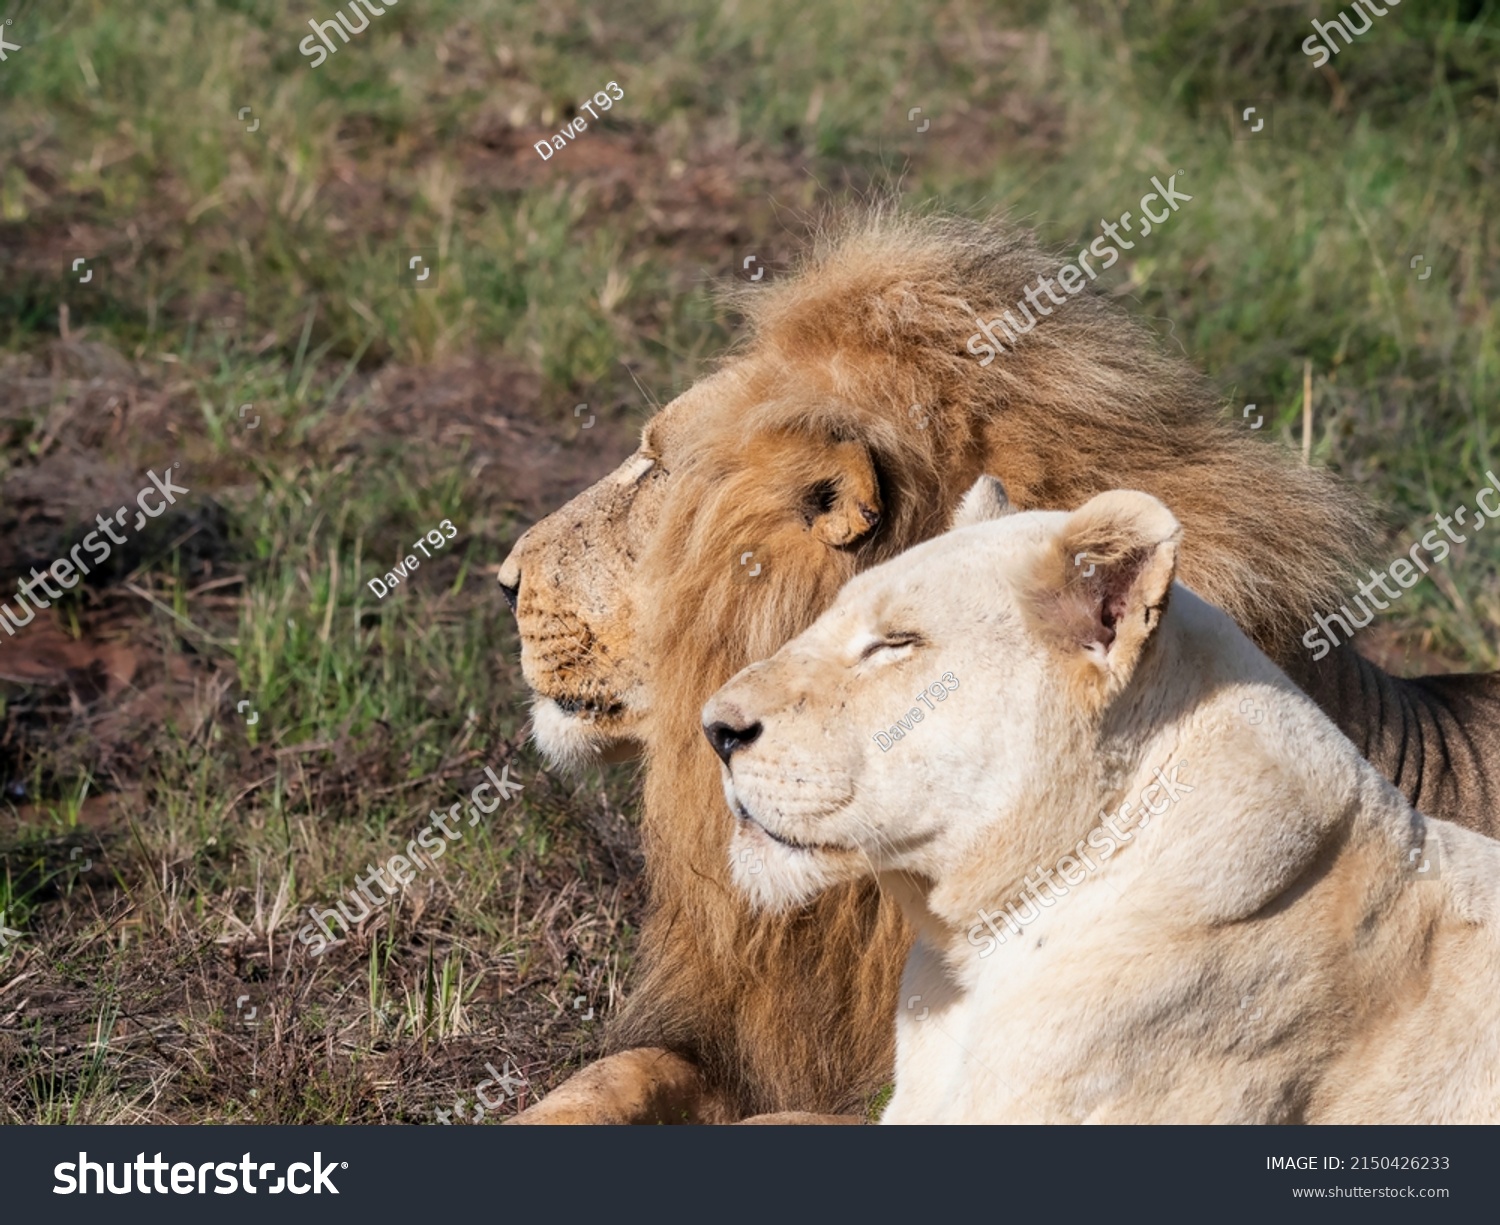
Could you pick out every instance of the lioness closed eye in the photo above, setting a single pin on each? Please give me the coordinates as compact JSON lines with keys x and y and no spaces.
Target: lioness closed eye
{"x":1150,"y":880}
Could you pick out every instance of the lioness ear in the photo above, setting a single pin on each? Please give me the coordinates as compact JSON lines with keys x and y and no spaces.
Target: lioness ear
{"x":1101,"y":589}
{"x":985,"y":500}
{"x":844,"y":504}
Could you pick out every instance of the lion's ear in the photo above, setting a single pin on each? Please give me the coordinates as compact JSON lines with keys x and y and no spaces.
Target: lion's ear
{"x":985,"y":500}
{"x":844,"y":504}
{"x":1100,"y":590}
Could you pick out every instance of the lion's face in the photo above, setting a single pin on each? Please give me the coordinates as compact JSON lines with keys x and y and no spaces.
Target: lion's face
{"x":947,"y":676}
{"x":798,"y":498}
{"x":572,"y":582}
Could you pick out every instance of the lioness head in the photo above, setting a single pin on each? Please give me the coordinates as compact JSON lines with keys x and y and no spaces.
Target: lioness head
{"x":958,"y":670}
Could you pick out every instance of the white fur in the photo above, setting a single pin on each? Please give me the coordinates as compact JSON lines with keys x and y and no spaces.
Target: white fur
{"x":1265,"y":950}
{"x":574,"y":741}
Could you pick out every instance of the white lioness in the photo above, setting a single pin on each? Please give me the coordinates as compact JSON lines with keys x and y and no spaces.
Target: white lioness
{"x":1151,"y":882}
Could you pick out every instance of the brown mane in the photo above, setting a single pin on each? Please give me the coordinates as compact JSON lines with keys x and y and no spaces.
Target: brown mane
{"x":795,"y":1011}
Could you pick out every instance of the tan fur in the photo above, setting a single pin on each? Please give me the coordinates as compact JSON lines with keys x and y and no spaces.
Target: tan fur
{"x":1278,"y":937}
{"x":644,"y":1085}
{"x":634,"y":599}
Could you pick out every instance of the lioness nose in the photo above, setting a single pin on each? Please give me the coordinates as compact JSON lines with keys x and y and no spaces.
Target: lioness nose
{"x":726,"y":738}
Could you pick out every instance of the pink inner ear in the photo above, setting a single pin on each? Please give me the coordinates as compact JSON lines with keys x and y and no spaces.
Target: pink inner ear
{"x":1112,"y":596}
{"x":1113,"y":607}
{"x":1104,"y":626}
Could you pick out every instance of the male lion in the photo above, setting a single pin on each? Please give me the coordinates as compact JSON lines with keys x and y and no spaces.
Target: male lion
{"x":1273,"y":935}
{"x":846,"y":429}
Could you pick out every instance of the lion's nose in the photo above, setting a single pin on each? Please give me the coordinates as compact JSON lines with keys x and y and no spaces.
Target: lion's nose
{"x":727,"y":737}
{"x":511,"y":592}
{"x":510,"y":576}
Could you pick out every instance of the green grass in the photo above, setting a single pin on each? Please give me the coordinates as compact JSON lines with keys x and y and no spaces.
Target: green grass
{"x":263,"y":268}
